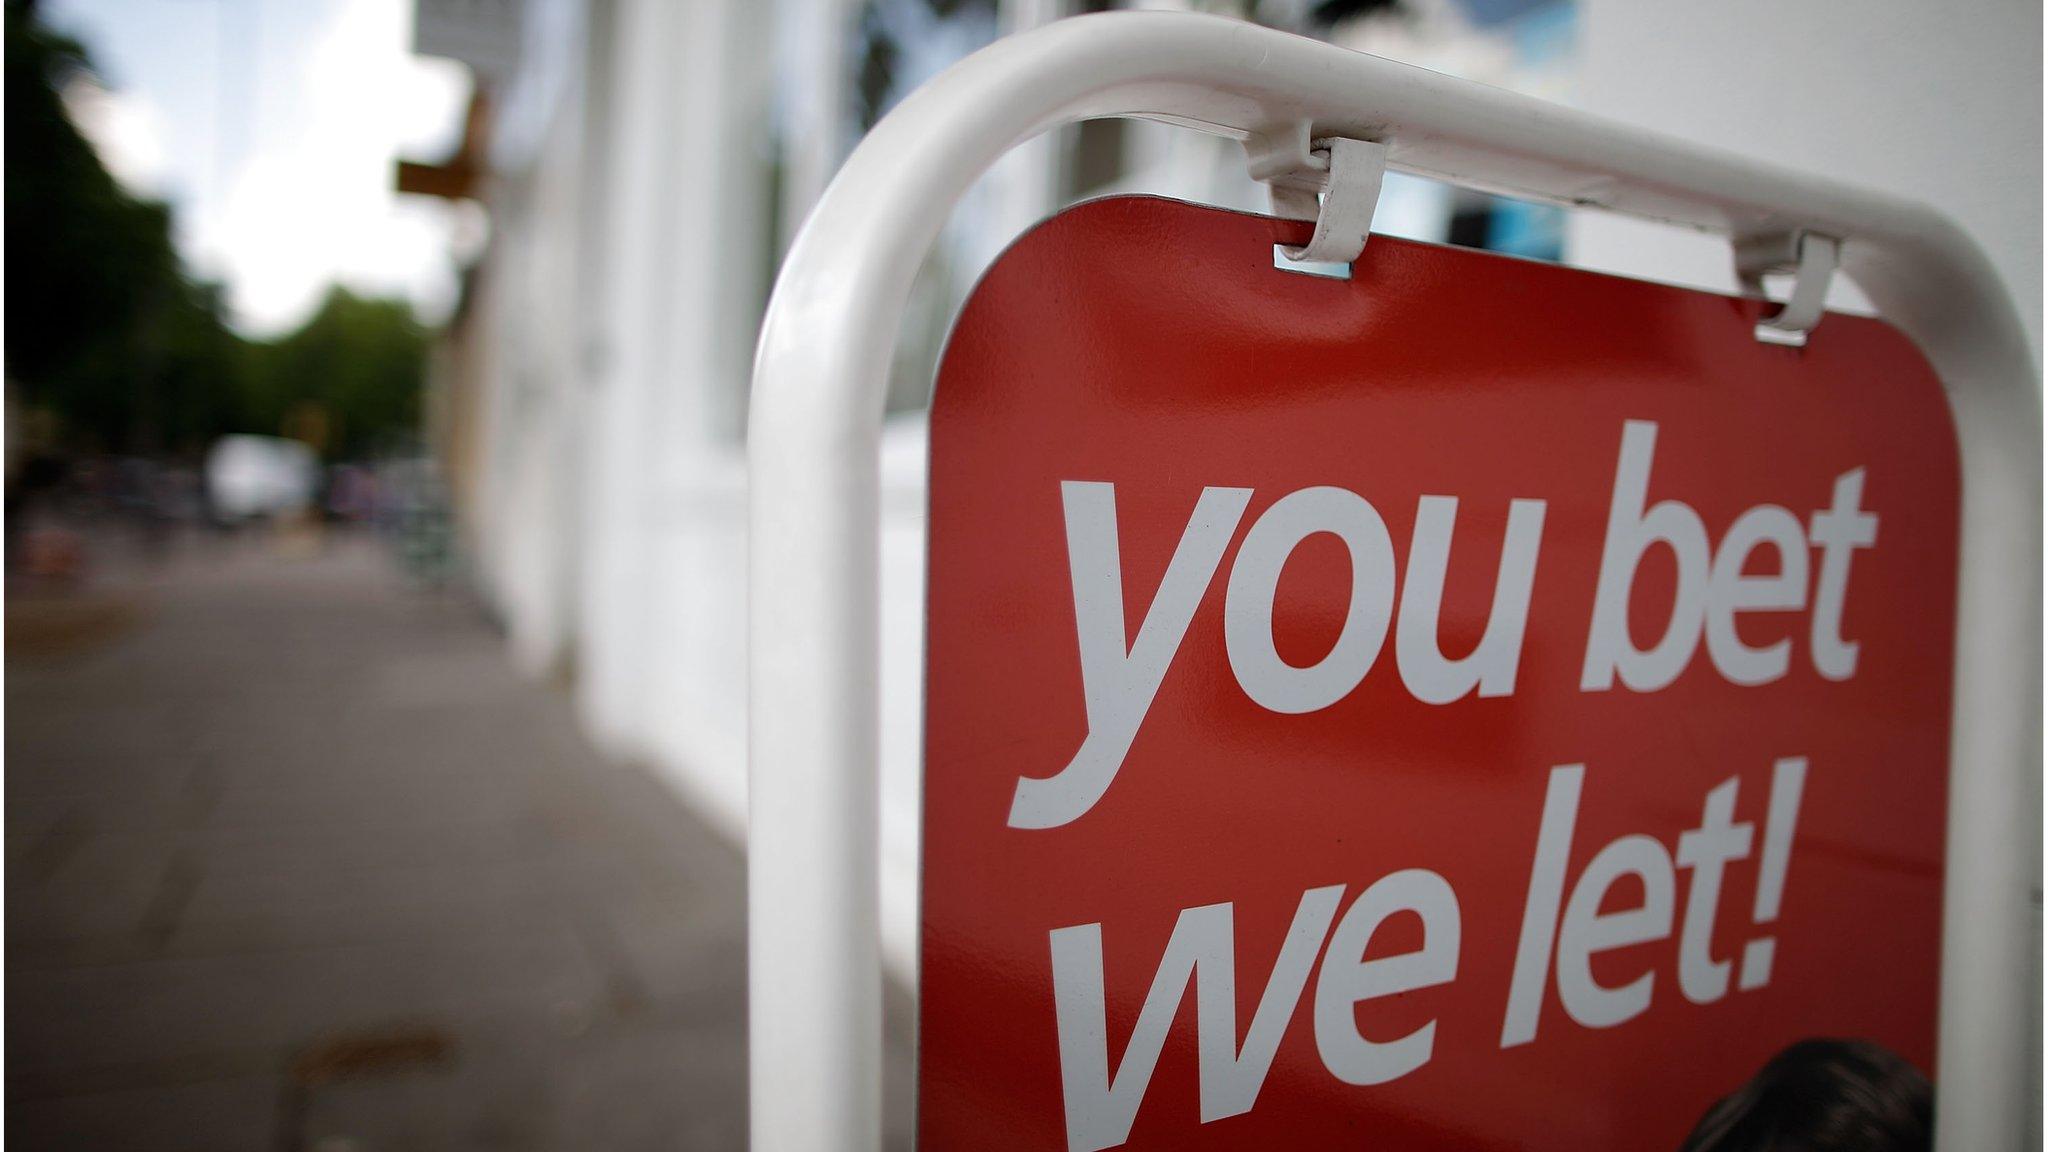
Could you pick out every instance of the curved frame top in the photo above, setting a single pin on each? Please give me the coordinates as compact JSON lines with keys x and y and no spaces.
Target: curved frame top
{"x":819,"y":377}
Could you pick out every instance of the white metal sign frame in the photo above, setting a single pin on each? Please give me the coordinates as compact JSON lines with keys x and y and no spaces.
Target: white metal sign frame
{"x":814,"y":964}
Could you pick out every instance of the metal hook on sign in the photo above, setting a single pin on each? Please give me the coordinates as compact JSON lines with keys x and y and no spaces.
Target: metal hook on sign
{"x":1811,"y":259}
{"x":1347,"y":172}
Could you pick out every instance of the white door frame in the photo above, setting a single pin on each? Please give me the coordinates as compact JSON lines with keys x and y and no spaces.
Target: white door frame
{"x":819,"y":380}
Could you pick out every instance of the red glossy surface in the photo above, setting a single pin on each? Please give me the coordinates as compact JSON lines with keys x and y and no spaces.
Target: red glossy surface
{"x":1151,"y":344}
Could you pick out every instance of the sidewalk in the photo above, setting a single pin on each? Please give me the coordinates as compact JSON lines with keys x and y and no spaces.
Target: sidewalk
{"x":296,"y":861}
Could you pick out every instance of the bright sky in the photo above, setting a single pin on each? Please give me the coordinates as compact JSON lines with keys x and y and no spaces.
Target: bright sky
{"x":272,"y":126}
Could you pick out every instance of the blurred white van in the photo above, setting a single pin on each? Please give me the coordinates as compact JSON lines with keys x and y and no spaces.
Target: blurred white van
{"x":251,"y":476}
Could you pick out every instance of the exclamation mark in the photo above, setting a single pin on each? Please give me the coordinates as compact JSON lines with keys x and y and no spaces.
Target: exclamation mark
{"x":1788,"y":777}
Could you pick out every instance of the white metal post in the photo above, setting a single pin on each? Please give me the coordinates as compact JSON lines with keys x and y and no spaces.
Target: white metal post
{"x":814,"y":980}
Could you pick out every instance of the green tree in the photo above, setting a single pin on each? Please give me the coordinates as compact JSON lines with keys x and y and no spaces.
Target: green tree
{"x":106,"y":330}
{"x":102,"y":326}
{"x":361,"y":362}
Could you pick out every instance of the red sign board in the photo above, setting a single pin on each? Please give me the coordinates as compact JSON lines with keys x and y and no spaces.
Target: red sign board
{"x":1478,"y":704}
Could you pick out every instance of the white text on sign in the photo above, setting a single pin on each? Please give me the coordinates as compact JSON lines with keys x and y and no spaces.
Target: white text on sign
{"x":1565,"y":922}
{"x":1712,"y":591}
{"x":1560,"y":935}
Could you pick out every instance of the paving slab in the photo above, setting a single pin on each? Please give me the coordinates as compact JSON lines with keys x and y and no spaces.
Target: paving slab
{"x":297,"y":861}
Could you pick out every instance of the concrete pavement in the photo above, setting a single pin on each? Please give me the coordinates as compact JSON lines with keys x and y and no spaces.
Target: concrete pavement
{"x":294,"y":860}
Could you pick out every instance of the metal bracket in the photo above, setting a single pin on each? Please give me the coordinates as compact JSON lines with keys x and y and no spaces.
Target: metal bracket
{"x":1810,"y":257}
{"x":1346,"y":172}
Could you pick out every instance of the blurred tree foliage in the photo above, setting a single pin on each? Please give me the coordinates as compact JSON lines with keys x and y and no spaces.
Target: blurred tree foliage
{"x":359,"y":362}
{"x":107,"y":332}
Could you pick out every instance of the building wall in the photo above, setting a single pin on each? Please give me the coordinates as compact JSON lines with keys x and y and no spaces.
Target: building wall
{"x":674,"y":282}
{"x":1939,"y":102}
